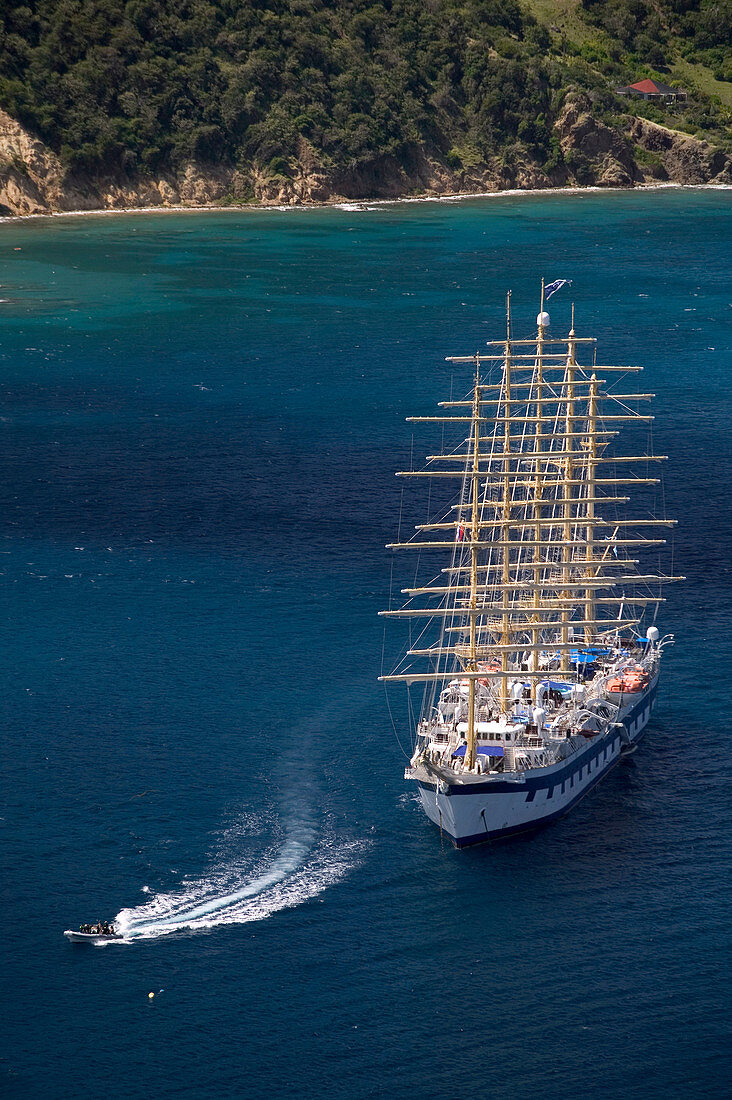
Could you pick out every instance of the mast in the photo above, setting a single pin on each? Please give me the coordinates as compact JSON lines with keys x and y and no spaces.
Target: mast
{"x":590,"y":505}
{"x":538,"y":489}
{"x":569,"y":429}
{"x":532,"y":552}
{"x":474,"y":543}
{"x":506,"y":509}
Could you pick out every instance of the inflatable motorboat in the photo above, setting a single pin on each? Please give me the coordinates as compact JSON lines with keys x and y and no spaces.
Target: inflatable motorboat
{"x":93,"y":937}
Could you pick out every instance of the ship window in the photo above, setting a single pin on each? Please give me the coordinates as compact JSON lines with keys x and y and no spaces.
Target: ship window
{"x":550,"y":793}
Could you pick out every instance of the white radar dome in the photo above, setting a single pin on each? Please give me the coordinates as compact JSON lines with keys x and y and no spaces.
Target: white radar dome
{"x":543,"y":320}
{"x":652,"y":634}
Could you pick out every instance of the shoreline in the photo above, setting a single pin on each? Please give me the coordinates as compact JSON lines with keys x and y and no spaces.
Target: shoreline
{"x":361,"y":204}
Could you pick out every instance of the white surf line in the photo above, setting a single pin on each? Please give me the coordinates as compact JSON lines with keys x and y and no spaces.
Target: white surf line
{"x":364,"y":204}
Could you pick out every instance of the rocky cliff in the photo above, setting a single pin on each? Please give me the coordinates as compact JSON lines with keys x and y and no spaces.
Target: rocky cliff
{"x":34,"y":181}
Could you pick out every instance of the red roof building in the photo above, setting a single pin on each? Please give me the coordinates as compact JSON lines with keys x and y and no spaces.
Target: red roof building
{"x":652,"y":89}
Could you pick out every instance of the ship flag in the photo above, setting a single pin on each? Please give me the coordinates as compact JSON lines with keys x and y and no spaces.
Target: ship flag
{"x":552,"y":288}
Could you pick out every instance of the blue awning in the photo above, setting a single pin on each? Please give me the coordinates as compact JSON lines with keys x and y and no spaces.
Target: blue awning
{"x":483,"y":750}
{"x":584,"y":658}
{"x":554,"y":685}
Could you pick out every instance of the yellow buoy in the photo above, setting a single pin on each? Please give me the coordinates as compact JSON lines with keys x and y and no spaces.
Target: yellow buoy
{"x":150,"y":996}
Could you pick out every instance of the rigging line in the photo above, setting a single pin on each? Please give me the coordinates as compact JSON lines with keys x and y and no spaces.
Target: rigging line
{"x":627,"y":408}
{"x":411,"y":467}
{"x":386,"y":696}
{"x":419,"y":552}
{"x":401,"y":503}
{"x":391,"y":577}
{"x":416,"y":571}
{"x":400,"y":666}
{"x":662,"y":489}
{"x":448,"y":611}
{"x":391,"y":585}
{"x":430,"y":689}
{"x":444,"y":423}
{"x":410,"y":709}
{"x":615,"y":382}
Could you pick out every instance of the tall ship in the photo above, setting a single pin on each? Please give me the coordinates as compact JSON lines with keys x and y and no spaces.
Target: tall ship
{"x":533,"y":636}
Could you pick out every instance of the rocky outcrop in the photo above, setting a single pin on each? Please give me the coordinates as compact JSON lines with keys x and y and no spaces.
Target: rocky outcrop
{"x":593,"y":153}
{"x":34,"y":181}
{"x":678,"y":157}
{"x":31,"y":176}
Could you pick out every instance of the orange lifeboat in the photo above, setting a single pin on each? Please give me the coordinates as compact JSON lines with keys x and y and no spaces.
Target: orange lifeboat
{"x":629,"y":682}
{"x":488,"y":667}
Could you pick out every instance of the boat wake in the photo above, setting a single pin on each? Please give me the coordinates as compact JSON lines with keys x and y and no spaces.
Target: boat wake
{"x":302,"y":867}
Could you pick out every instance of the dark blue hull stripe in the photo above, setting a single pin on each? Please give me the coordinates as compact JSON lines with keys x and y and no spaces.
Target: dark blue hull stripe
{"x":530,"y":826}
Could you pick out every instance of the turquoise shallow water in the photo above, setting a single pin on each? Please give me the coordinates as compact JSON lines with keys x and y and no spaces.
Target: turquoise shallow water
{"x":201,"y":416}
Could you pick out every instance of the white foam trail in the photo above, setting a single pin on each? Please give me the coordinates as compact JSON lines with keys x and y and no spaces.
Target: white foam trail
{"x":229,"y":894}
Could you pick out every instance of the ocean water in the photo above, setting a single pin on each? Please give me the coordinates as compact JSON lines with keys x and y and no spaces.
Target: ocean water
{"x":201,"y":415}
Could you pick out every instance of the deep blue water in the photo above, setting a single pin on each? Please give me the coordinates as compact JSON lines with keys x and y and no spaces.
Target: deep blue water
{"x":201,"y":415}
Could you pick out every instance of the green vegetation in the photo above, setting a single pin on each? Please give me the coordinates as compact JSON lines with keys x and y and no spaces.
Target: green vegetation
{"x":140,"y":85}
{"x":647,"y":158}
{"x":688,"y":42}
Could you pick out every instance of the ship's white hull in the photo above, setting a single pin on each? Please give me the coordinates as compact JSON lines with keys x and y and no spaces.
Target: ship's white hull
{"x":491,"y":808}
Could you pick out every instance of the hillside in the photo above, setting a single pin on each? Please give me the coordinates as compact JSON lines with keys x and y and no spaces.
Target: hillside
{"x":152,"y":101}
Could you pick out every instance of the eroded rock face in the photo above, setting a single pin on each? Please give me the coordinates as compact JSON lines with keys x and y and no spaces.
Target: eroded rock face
{"x":29,"y":172}
{"x":682,"y":158}
{"x":34,"y":181}
{"x":593,"y":153}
